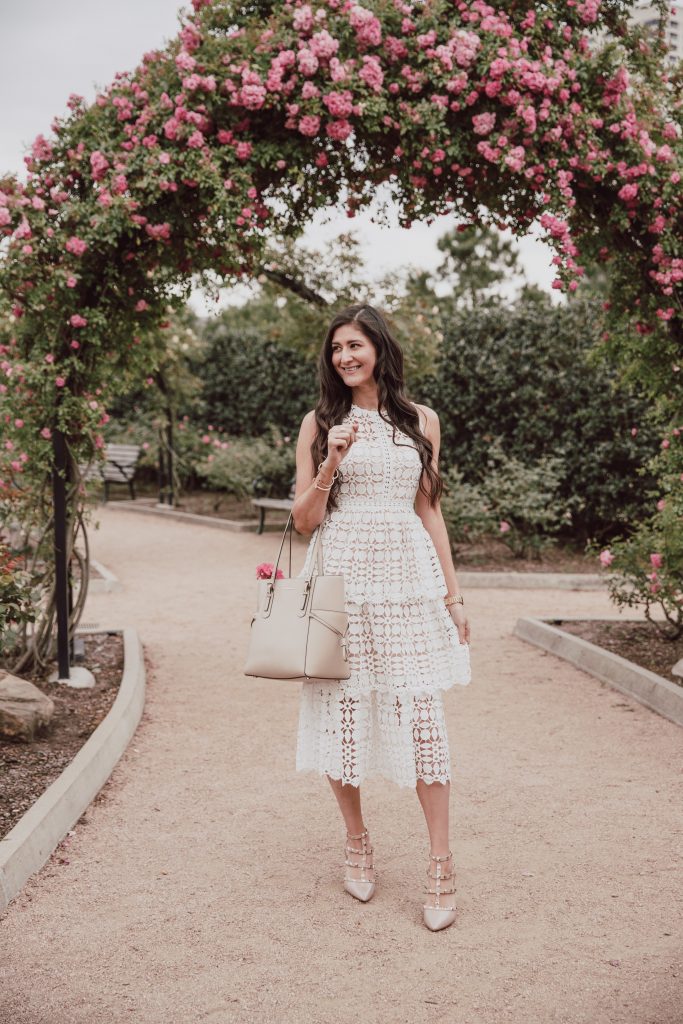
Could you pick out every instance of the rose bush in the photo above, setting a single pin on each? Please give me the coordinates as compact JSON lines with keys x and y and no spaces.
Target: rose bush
{"x":646,"y":569}
{"x":258,"y":114}
{"x":16,"y":601}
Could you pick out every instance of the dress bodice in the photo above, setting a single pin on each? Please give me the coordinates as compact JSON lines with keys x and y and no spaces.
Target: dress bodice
{"x":382,"y":469}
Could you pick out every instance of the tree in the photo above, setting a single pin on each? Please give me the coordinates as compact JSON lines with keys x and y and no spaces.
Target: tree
{"x":476,"y":260}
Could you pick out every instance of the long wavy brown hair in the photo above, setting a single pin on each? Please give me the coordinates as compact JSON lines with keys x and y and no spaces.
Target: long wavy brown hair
{"x":335,"y":396}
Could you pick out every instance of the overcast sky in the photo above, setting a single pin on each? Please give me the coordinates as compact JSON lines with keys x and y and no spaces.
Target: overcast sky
{"x":51,"y":49}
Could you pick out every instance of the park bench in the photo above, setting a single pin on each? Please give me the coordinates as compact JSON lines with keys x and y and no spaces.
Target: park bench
{"x":263,"y":504}
{"x":119,"y":468}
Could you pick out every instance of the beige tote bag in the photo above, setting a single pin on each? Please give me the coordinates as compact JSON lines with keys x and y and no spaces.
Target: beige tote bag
{"x":299,"y":628}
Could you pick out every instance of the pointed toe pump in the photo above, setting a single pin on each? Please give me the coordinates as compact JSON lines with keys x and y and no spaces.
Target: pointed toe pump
{"x":362,"y":888}
{"x":437,"y":915}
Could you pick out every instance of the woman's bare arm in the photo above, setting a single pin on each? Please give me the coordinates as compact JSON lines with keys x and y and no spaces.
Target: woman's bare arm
{"x":310,"y":502}
{"x":433,"y":521}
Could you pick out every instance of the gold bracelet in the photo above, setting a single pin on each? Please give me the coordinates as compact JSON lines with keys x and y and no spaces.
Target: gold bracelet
{"x":453,"y":599}
{"x":322,"y":487}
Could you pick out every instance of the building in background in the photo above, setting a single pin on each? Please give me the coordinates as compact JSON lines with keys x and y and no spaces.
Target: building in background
{"x":648,"y":16}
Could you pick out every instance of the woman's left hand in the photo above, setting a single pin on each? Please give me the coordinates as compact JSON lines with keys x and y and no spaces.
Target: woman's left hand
{"x":460,"y":619}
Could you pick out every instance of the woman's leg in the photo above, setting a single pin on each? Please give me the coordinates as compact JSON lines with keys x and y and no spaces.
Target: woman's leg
{"x":348,"y":798}
{"x":432,"y":764}
{"x":434,"y":798}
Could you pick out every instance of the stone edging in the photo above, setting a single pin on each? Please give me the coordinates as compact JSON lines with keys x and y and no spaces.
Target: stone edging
{"x":533,"y":580}
{"x":106,"y":584}
{"x":30,"y":844}
{"x":236,"y":525}
{"x":652,"y":690}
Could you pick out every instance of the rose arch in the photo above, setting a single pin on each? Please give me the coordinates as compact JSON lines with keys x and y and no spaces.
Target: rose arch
{"x":259,"y":113}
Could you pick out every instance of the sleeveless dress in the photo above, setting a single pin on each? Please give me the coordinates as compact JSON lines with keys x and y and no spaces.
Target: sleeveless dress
{"x":403,"y":647}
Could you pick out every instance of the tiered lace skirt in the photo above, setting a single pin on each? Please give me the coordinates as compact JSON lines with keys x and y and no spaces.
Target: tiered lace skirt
{"x":388,"y":718}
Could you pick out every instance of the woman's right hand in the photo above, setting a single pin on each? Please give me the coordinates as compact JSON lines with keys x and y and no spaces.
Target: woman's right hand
{"x":340,"y":437}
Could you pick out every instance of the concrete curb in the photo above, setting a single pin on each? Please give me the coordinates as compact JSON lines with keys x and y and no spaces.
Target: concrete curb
{"x":107,"y":583}
{"x":236,"y":525}
{"x":533,"y":580}
{"x":30,"y":844}
{"x":652,"y":690}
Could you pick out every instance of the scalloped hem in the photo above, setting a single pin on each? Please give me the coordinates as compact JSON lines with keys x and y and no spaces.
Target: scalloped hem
{"x":374,"y":773}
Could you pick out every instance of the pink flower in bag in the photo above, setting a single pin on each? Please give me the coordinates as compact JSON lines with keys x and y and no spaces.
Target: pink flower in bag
{"x":265,"y":570}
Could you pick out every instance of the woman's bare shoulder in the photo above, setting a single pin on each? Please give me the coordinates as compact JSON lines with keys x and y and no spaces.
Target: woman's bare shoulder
{"x":308,"y":423}
{"x":428,"y":417}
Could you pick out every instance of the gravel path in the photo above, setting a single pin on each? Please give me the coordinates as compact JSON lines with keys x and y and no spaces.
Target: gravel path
{"x":204,"y":883}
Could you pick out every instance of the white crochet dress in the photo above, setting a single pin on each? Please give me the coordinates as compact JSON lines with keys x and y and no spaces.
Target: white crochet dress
{"x":387,"y":718}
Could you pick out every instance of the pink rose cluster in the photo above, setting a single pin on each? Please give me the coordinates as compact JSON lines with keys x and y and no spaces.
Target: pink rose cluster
{"x":264,"y":571}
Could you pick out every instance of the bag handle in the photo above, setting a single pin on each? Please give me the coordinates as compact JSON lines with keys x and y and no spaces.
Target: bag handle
{"x":317,"y":551}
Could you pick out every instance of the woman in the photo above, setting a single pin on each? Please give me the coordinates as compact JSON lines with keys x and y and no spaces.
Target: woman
{"x":367,"y":477}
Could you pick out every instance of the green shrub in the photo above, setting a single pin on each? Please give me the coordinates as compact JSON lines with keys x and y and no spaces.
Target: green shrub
{"x":465,"y":509}
{"x":524,"y":500}
{"x":16,"y":601}
{"x":250,"y":383}
{"x":243,"y":467}
{"x":646,"y":568}
{"x":525,"y":374}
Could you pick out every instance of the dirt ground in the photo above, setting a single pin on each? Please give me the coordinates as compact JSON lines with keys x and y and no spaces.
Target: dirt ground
{"x":204,"y":883}
{"x":27,"y":769}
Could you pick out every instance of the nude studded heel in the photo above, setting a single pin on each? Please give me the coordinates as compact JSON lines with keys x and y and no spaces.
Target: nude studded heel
{"x":362,"y":888}
{"x":438,"y":916}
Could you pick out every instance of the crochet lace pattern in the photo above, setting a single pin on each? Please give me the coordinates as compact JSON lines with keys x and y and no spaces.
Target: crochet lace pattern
{"x":387,"y":718}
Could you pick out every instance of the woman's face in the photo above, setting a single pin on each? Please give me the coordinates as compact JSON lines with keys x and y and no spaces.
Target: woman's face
{"x":353,"y":355}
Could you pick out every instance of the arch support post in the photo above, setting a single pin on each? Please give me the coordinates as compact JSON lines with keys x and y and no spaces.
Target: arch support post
{"x":59,"y":485}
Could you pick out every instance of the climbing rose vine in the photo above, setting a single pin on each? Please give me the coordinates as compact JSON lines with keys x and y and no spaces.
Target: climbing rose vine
{"x":260,"y":113}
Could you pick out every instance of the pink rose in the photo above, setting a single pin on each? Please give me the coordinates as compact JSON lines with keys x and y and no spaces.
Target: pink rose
{"x":656,"y":560}
{"x":308,"y":62}
{"x":76,"y":245}
{"x":303,"y":19}
{"x":371,"y":73}
{"x":323,"y":45}
{"x":265,"y":570}
{"x":606,"y":557}
{"x":309,"y":125}
{"x":483,"y":123}
{"x":628,"y":192}
{"x":339,"y":130}
{"x":504,"y":526}
{"x":99,"y":165}
{"x":339,"y":104}
{"x":243,"y":150}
